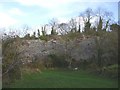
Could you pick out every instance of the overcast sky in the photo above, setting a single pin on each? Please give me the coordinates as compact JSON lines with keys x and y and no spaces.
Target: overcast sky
{"x":40,"y":12}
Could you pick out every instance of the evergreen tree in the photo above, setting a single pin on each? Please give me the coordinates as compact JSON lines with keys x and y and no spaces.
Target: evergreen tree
{"x":53,"y":31}
{"x":33,"y":36}
{"x":79,"y":29}
{"x":99,"y":28}
{"x":87,"y":26}
{"x":38,"y":33}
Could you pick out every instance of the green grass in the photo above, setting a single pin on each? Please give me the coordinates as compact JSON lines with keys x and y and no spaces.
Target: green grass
{"x":63,"y":79}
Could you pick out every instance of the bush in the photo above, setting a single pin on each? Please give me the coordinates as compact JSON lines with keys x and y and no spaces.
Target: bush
{"x":37,"y":64}
{"x":93,"y":67}
{"x":10,"y":65}
{"x":58,"y":61}
{"x":44,"y":38}
{"x":110,"y":71}
{"x":74,"y":35}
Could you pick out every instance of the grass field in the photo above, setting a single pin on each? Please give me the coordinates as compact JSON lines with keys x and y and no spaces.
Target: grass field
{"x":63,"y":79}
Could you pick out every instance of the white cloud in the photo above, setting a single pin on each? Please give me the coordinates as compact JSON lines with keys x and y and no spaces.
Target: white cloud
{"x":6,"y":20}
{"x":56,"y":7}
{"x":54,"y":3}
{"x":31,"y":2}
{"x":43,"y":3}
{"x":16,"y":11}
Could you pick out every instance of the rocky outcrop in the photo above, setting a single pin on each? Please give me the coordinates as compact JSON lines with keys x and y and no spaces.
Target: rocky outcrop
{"x":82,"y":50}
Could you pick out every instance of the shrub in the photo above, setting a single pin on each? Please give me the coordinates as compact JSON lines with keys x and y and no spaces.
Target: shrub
{"x":44,"y":38}
{"x":58,"y":61}
{"x":93,"y":67}
{"x":10,"y":65}
{"x":110,"y":71}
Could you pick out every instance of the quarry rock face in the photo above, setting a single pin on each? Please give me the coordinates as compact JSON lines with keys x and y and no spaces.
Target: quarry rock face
{"x":32,"y":49}
{"x":84,"y":50}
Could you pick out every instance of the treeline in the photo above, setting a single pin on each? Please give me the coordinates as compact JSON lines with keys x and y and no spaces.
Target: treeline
{"x":88,"y":22}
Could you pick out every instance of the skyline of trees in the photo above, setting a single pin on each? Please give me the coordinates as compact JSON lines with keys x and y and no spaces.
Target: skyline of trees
{"x":84,"y":21}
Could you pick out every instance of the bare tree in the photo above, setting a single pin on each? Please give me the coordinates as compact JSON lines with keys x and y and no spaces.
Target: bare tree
{"x":25,"y":29}
{"x":54,"y":25}
{"x":87,"y":16}
{"x":104,"y":18}
{"x":11,"y":65}
{"x":73,"y":25}
{"x":63,"y":28}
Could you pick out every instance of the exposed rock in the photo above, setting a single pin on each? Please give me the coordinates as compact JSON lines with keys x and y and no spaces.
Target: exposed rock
{"x":30,"y":49}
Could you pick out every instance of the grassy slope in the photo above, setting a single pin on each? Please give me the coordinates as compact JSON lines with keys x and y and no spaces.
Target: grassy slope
{"x":64,"y":79}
